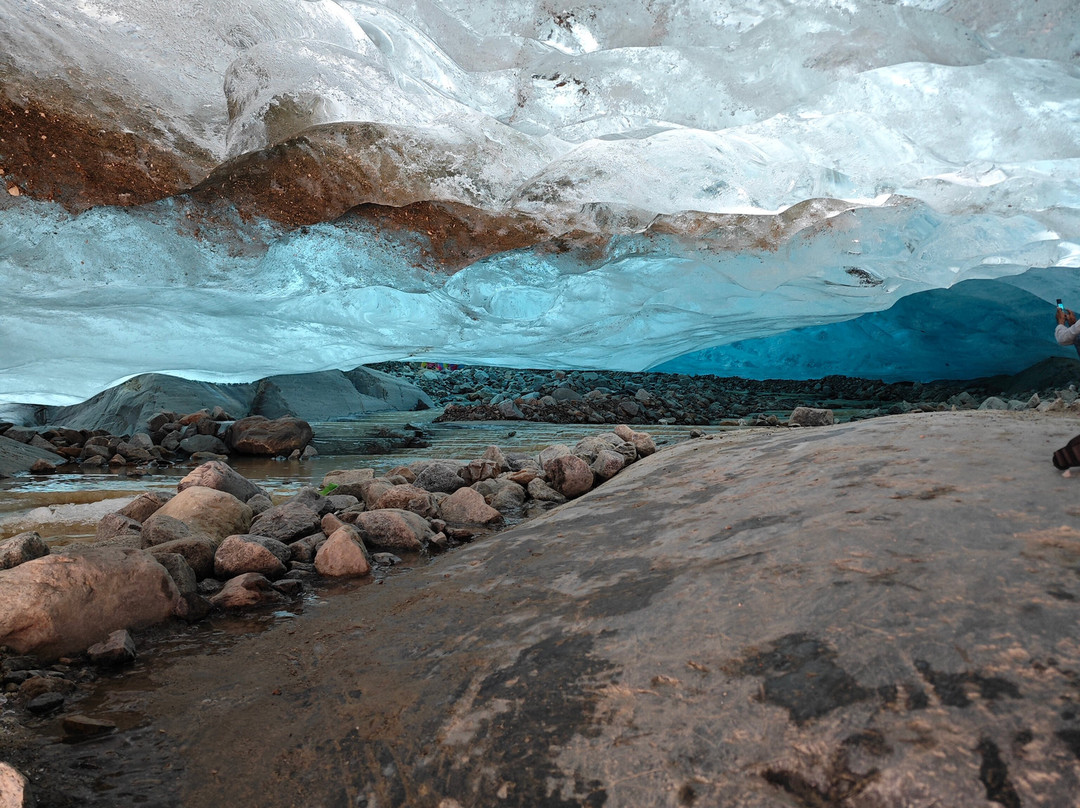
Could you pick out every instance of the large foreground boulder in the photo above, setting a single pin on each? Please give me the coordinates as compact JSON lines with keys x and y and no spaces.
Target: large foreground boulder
{"x":64,"y":603}
{"x":883,"y":614}
{"x":257,"y":435}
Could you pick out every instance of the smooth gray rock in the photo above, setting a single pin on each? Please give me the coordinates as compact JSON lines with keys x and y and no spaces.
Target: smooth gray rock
{"x":16,"y":457}
{"x":440,"y":476}
{"x":286,"y":522}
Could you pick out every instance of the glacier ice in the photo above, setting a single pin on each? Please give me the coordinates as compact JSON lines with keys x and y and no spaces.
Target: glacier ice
{"x":229,"y":190}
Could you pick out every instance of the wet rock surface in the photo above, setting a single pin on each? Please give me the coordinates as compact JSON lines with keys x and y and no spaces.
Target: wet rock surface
{"x":870,"y":614}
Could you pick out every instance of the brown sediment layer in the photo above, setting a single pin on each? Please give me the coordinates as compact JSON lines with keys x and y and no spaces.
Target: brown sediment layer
{"x":80,"y":161}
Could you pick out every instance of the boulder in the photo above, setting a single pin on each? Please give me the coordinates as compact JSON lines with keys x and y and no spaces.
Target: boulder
{"x":348,"y":481}
{"x":496,"y":456}
{"x":408,"y":498}
{"x":466,"y":506}
{"x":507,"y":497}
{"x":179,"y":570}
{"x":239,"y":554}
{"x":206,"y":510}
{"x":309,"y":495}
{"x":203,"y":444}
{"x":221,"y":477}
{"x":542,"y":492}
{"x":549,"y":453}
{"x":509,"y":410}
{"x":286,"y":522}
{"x":372,"y":491}
{"x":343,"y":555}
{"x":259,"y":503}
{"x":607,"y":463}
{"x":256,"y":435}
{"x":393,"y":529}
{"x":478,"y":470}
{"x":145,"y":505}
{"x":22,"y":548}
{"x":249,"y":589}
{"x":161,"y":529}
{"x":642,"y":441}
{"x":439,"y":476}
{"x":569,"y":475}
{"x":197,"y":551}
{"x":121,"y":529}
{"x":63,"y":603}
{"x":114,"y":651}
{"x":811,"y":416}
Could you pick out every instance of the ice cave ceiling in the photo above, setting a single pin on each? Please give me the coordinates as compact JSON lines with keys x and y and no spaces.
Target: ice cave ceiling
{"x":234,"y":188}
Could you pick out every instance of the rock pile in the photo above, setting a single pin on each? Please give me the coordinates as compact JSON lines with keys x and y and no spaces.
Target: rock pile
{"x":610,"y":397}
{"x":169,"y":438}
{"x":221,"y":543}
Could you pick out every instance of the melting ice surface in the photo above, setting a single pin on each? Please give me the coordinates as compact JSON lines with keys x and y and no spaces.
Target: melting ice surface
{"x":786,"y":188}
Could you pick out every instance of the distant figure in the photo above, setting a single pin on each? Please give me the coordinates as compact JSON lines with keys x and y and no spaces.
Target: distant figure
{"x":1068,"y":329}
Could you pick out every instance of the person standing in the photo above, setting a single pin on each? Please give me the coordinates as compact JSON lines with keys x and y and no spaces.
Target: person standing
{"x":1068,"y":329}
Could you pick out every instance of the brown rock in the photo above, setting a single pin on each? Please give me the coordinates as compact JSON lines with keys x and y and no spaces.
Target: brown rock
{"x":22,"y":548}
{"x":811,"y":416}
{"x":249,"y":589}
{"x":348,"y":481}
{"x":286,"y":522}
{"x":197,"y":551}
{"x":466,"y":506}
{"x":63,"y":603}
{"x":370,"y":491}
{"x":113,"y":526}
{"x":408,"y":498}
{"x":116,"y":650}
{"x":221,"y":477}
{"x":477,"y":470}
{"x":206,"y":510}
{"x":607,"y":464}
{"x":393,"y":529}
{"x":143,"y":506}
{"x":642,"y":441}
{"x":240,"y":554}
{"x":343,"y":555}
{"x":42,"y":466}
{"x":258,"y":436}
{"x":542,"y":492}
{"x":569,"y":475}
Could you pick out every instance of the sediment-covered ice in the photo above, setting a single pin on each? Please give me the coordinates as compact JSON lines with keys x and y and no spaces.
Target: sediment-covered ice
{"x":765,"y":187}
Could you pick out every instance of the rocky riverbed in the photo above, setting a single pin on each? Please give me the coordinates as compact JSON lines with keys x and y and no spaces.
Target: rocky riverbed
{"x":596,"y":397}
{"x":869,"y":614}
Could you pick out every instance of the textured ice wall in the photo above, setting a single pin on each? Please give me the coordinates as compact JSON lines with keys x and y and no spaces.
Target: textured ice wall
{"x":230,"y":190}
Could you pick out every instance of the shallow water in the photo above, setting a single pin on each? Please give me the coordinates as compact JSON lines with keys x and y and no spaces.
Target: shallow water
{"x":66,"y":507}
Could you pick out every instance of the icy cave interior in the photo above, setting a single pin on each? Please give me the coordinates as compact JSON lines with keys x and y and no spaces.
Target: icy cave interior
{"x":766,"y":188}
